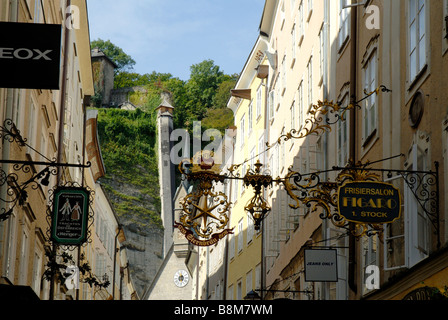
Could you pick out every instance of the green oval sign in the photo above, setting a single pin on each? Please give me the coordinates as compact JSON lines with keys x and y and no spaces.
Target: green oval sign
{"x":369,"y":202}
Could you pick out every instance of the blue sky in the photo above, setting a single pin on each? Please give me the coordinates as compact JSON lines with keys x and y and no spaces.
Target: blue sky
{"x":169,"y":36}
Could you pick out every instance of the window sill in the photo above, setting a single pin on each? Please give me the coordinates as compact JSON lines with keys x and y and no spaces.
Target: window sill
{"x":418,"y":77}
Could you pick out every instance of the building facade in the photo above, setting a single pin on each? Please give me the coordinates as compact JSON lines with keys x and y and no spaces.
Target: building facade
{"x":50,"y":127}
{"x":347,"y":53}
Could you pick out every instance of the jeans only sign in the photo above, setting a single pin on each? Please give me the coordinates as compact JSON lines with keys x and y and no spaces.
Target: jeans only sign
{"x":30,"y":55}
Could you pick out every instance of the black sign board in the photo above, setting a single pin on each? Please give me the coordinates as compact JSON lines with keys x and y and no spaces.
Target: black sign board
{"x":70,"y":215}
{"x":30,"y":55}
{"x":369,"y":202}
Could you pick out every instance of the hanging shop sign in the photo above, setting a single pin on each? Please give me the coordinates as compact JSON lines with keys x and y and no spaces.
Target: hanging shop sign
{"x":321,"y":265}
{"x":205,"y":212}
{"x":369,"y":202}
{"x":70,"y":215}
{"x":30,"y":55}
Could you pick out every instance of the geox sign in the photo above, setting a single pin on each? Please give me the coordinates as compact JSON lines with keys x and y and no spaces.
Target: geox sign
{"x":30,"y":55}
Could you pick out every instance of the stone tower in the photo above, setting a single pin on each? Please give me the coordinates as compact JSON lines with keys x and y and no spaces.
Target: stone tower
{"x":166,"y":169}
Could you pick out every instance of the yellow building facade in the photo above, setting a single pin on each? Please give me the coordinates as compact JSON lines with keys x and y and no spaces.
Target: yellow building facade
{"x":49,"y":127}
{"x":248,"y":103}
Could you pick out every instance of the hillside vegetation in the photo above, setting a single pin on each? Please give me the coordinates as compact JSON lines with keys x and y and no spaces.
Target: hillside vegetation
{"x":128,"y":138}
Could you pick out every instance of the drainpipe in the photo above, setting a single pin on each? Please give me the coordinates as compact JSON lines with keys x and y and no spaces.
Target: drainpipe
{"x":352,"y":151}
{"x":115,"y":262}
{"x":61,"y":122}
{"x":62,"y":95}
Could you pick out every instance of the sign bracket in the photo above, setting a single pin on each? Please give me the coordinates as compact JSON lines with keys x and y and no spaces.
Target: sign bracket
{"x":16,"y":190}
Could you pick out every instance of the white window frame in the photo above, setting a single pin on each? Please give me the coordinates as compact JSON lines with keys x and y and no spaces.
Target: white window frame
{"x":250,"y":116}
{"x":300,"y":109}
{"x":343,"y":141}
{"x":301,"y":31}
{"x":242,"y":124}
{"x":344,"y":24}
{"x":259,"y":101}
{"x":309,"y":69}
{"x":271,"y":104}
{"x":249,"y":283}
{"x":370,"y":108}
{"x":369,"y":256}
{"x":417,"y":31}
{"x":417,"y":225}
{"x":293,"y":45}
{"x":240,"y":235}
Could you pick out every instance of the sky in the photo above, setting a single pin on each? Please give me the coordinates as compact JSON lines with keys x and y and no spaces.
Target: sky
{"x":169,"y":36}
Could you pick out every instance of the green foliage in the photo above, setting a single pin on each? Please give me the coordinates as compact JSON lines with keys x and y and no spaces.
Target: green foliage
{"x":128,"y":138}
{"x":123,"y":61}
{"x":205,"y":79}
{"x":128,"y":142}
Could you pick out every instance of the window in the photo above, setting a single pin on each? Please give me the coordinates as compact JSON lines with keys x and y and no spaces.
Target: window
{"x":310,"y":10}
{"x":250,"y":116}
{"x":38,"y":13}
{"x":343,"y":134}
{"x":310,"y":81}
{"x":300,"y":110}
{"x":369,"y":247}
{"x":230,"y":292}
{"x":300,"y":23}
{"x":322,"y":52}
{"x":9,"y":257}
{"x":261,"y":146}
{"x":293,"y":115}
{"x":258,"y":277}
{"x":31,"y":125}
{"x":250,"y":228}
{"x":344,"y":24}
{"x":445,"y":26}
{"x":24,"y":257}
{"x":417,"y":37}
{"x":293,"y":45}
{"x":370,"y":106}
{"x":259,"y":100}
{"x":239,"y":290}
{"x":417,"y":226}
{"x":249,"y":281}
{"x":283,"y":75}
{"x":240,"y":235}
{"x":271,"y":103}
{"x":242,"y":131}
{"x":37,"y":271}
{"x":231,"y":247}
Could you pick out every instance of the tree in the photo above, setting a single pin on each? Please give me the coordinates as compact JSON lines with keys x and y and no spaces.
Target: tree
{"x":205,"y":78}
{"x":123,"y":61}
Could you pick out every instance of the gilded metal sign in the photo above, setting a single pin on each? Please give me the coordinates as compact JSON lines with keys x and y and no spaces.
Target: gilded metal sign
{"x":369,"y":202}
{"x":205,"y":212}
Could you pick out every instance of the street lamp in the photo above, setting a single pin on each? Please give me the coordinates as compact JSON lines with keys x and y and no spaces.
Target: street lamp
{"x":257,"y":207}
{"x":252,"y":295}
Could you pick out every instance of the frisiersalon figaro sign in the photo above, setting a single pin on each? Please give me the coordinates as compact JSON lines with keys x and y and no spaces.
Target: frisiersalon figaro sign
{"x":30,"y":55}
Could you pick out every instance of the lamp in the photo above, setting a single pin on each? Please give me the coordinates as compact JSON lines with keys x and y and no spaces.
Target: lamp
{"x":257,"y":207}
{"x":252,"y":295}
{"x":46,"y":180}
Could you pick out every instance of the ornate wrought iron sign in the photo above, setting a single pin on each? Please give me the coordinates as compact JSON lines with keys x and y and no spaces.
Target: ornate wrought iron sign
{"x":205,"y":211}
{"x":70,"y":215}
{"x":369,"y":202}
